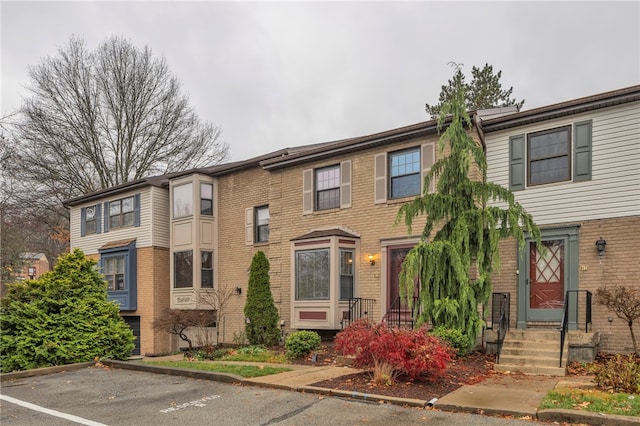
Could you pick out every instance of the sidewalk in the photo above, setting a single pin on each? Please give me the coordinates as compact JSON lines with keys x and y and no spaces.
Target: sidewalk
{"x":502,"y":394}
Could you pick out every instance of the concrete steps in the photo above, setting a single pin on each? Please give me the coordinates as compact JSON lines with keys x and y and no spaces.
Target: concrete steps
{"x":535,"y":352}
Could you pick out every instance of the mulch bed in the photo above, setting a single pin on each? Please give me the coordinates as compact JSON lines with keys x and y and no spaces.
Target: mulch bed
{"x":463,"y":371}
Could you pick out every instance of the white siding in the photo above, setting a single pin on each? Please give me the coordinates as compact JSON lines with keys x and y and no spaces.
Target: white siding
{"x":613,"y":191}
{"x":158,"y":215}
{"x":90,"y":244}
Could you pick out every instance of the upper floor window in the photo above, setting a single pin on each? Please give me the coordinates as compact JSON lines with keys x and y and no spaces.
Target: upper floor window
{"x":261,"y":224}
{"x":327,"y":187}
{"x":206,"y":269}
{"x":401,"y":173}
{"x":183,"y":200}
{"x":183,"y":269}
{"x":206,"y":199}
{"x":90,"y":220}
{"x":548,"y":155}
{"x":404,"y":173}
{"x":121,"y":213}
{"x":562,"y":154}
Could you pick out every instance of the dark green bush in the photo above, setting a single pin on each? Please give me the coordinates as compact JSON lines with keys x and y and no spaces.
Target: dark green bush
{"x":62,"y":318}
{"x":453,"y":337}
{"x":619,"y":374}
{"x":301,"y":343}
{"x":260,"y":310}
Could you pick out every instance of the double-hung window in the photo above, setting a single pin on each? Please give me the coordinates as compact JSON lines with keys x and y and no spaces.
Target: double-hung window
{"x":113,"y":271}
{"x":91,"y":216}
{"x":183,"y":269}
{"x":549,"y":156}
{"x":404,"y":173}
{"x":312,"y":274}
{"x":206,"y":199}
{"x":206,"y":269}
{"x":121,"y":213}
{"x":327,"y":187}
{"x":346,"y":274}
{"x":90,"y":220}
{"x":118,"y":263}
{"x":261,"y":224}
{"x":562,"y":154}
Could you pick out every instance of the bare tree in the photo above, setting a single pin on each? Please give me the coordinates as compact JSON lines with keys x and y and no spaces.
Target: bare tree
{"x":177,"y":321}
{"x":99,"y":119}
{"x":625,"y":303}
{"x":217,"y":299}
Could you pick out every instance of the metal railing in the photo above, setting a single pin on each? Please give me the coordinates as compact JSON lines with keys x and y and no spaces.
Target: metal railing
{"x":568,"y":314}
{"x":500,"y":309}
{"x":359,"y":308}
{"x":400,"y":315}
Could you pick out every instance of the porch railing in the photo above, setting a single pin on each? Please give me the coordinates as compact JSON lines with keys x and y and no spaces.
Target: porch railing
{"x":500,"y":308}
{"x":400,"y":315}
{"x":571,"y":311}
{"x":359,"y":308}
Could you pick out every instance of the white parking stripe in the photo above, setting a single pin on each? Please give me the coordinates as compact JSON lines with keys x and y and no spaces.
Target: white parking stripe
{"x":55,"y":413}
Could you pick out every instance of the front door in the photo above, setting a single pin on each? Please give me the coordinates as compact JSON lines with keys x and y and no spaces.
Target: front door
{"x":396,"y":257}
{"x":546,"y":280}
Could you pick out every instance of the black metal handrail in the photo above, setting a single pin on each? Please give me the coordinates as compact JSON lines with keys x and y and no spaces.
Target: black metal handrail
{"x":399,"y":313}
{"x":359,"y":308}
{"x":500,"y":309}
{"x":566,"y":311}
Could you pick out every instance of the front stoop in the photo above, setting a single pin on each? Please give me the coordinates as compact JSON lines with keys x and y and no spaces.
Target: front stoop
{"x":535,"y":352}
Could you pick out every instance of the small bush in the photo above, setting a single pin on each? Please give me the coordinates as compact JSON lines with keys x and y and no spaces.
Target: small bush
{"x":453,"y":337}
{"x":252,"y":350}
{"x":301,"y":343}
{"x":619,"y":374}
{"x":391,"y":352}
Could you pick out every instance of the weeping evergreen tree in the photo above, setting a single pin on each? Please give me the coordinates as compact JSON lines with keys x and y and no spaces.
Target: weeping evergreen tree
{"x":462,"y":232}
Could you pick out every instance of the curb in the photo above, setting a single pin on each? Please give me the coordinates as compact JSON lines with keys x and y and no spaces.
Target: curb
{"x":591,"y":418}
{"x":364,"y":396}
{"x":45,"y":371}
{"x":175,"y":371}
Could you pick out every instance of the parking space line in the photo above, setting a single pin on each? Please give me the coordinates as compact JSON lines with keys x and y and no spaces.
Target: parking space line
{"x":50,"y":412}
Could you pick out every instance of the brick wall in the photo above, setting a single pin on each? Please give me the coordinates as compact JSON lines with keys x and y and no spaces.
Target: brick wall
{"x":619,"y":266}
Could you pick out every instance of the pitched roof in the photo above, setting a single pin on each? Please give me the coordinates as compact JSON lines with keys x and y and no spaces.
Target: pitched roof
{"x":562,"y":109}
{"x":330,"y":232}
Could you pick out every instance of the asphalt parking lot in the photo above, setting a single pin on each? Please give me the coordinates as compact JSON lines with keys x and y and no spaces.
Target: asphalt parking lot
{"x":104,"y":396}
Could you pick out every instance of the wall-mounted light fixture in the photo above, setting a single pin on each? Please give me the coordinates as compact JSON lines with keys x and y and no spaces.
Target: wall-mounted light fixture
{"x":600,"y":244}
{"x":237,"y":291}
{"x":372,"y":260}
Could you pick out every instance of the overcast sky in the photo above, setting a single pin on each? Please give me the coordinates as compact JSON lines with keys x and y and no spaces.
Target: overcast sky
{"x":276,"y":75}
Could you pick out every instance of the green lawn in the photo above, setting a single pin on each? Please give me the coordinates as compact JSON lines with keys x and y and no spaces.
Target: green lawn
{"x":246,"y":371}
{"x":593,"y":400}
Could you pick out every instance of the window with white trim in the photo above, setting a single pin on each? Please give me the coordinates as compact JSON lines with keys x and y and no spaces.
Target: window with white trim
{"x":183,"y":200}
{"x":118,"y":264}
{"x":327,"y":188}
{"x":346,"y":274}
{"x":312,"y":274}
{"x":113,"y":271}
{"x":91,"y":220}
{"x":261,"y":224}
{"x":206,"y":199}
{"x":183,"y":269}
{"x":206,"y":269}
{"x":404,"y":173}
{"x":122,"y":213}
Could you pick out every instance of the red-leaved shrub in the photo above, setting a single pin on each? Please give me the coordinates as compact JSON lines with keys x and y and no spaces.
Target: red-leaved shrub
{"x":391,"y":352}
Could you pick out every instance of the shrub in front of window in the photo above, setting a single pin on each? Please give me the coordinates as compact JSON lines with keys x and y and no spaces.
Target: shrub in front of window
{"x":301,"y":343}
{"x":261,"y":315}
{"x":392,"y":352}
{"x":63,"y":317}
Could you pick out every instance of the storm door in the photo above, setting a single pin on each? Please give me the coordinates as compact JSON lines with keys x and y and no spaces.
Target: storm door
{"x":546,"y":280}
